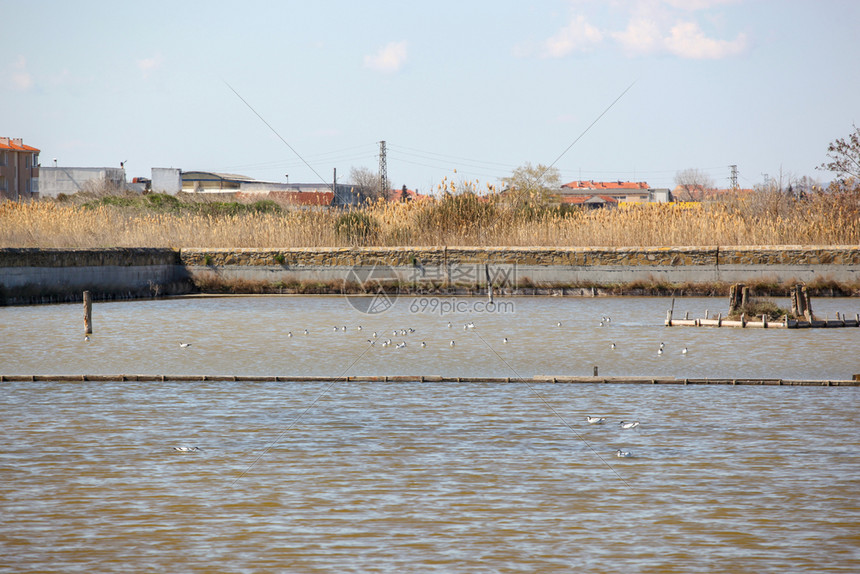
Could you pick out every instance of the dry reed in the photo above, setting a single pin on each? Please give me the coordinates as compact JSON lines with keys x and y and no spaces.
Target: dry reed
{"x":455,"y":219}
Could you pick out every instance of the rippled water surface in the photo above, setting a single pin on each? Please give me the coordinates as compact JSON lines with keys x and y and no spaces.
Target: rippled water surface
{"x":250,"y":336}
{"x":427,"y":477}
{"x":423,"y":477}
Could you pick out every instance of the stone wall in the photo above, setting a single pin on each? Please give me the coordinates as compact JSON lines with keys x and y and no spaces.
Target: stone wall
{"x":29,"y":275}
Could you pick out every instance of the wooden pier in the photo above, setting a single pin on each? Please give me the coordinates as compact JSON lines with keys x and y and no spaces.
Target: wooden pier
{"x":801,"y":309}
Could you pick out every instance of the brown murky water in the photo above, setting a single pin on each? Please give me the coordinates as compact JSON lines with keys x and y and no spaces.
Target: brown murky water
{"x":250,"y":336}
{"x":423,"y":477}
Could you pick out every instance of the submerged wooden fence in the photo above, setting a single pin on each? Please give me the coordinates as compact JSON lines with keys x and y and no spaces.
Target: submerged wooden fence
{"x":855,"y":382}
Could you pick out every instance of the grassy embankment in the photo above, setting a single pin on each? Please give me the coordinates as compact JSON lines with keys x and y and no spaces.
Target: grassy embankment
{"x":457,"y":219}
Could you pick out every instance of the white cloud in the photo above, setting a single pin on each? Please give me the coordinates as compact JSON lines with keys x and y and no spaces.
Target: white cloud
{"x":389,"y":59}
{"x":650,"y":27}
{"x":577,"y":36}
{"x":640,"y":37}
{"x":21,"y":77}
{"x":687,"y":40}
{"x":149,"y":65}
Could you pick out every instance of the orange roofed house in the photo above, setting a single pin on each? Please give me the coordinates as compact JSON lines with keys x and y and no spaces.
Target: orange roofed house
{"x":19,"y":169}
{"x":605,"y":193}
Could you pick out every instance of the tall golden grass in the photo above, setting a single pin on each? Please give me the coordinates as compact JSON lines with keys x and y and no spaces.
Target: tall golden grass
{"x":462,"y":219}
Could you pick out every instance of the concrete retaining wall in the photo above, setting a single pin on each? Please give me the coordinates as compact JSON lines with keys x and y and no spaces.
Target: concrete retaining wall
{"x":49,"y":275}
{"x":532,"y":266}
{"x":31,"y":275}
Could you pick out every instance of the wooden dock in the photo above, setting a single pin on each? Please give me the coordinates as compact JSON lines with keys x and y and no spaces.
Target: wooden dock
{"x":764,"y":323}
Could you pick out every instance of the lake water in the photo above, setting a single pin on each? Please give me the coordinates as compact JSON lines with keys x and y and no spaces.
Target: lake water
{"x":250,"y":336}
{"x":423,"y":477}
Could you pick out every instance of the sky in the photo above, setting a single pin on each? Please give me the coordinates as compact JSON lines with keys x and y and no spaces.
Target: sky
{"x":466,"y":90}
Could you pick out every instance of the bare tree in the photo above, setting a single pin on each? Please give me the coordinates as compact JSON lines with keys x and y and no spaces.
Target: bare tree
{"x":691,"y":184}
{"x":844,"y":155}
{"x":366,"y":183}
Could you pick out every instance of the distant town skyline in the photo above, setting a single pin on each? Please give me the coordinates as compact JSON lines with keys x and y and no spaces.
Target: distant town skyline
{"x":464,"y":91}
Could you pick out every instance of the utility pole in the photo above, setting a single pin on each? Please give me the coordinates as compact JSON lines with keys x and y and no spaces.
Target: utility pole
{"x":734,"y":176}
{"x":383,"y":169}
{"x":334,"y":185}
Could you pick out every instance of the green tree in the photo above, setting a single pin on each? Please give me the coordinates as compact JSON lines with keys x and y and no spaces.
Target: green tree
{"x":532,"y":185}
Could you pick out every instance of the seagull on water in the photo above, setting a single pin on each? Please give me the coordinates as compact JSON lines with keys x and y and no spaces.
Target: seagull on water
{"x":628,"y":425}
{"x":452,"y":343}
{"x":186,"y":448}
{"x":184,"y":345}
{"x":423,"y":344}
{"x":306,"y":331}
{"x":623,"y":453}
{"x":595,"y":420}
{"x":659,"y":351}
{"x":684,"y":351}
{"x":401,"y":345}
{"x":86,"y":337}
{"x":289,"y":334}
{"x":612,"y":346}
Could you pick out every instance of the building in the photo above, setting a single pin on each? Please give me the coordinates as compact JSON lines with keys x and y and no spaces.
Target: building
{"x":618,"y":191}
{"x":299,"y":194}
{"x":69,"y":180}
{"x":19,"y":169}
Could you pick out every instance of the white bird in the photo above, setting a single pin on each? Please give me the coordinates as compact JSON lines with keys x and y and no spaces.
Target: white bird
{"x":470,"y":325}
{"x":359,"y":327}
{"x":343,"y":328}
{"x":423,"y":344}
{"x":662,"y":344}
{"x":184,"y":345}
{"x":684,"y":351}
{"x":86,"y":337}
{"x":186,"y":448}
{"x":659,"y":351}
{"x":505,"y":340}
{"x":334,"y":328}
{"x":400,"y":345}
{"x":449,"y":324}
{"x":289,"y":334}
{"x":558,"y":324}
{"x":628,"y":425}
{"x":374,"y":334}
{"x":372,"y":343}
{"x":452,"y":343}
{"x":623,"y":453}
{"x":612,"y":346}
{"x":595,"y":420}
{"x":306,"y":331}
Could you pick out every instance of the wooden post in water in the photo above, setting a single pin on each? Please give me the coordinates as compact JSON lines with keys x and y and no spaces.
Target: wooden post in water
{"x":807,"y":305}
{"x":737,"y":298}
{"x":88,"y":313}
{"x":489,"y":284}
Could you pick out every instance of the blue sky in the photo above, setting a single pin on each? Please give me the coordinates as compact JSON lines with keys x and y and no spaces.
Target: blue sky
{"x":478,"y":87}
